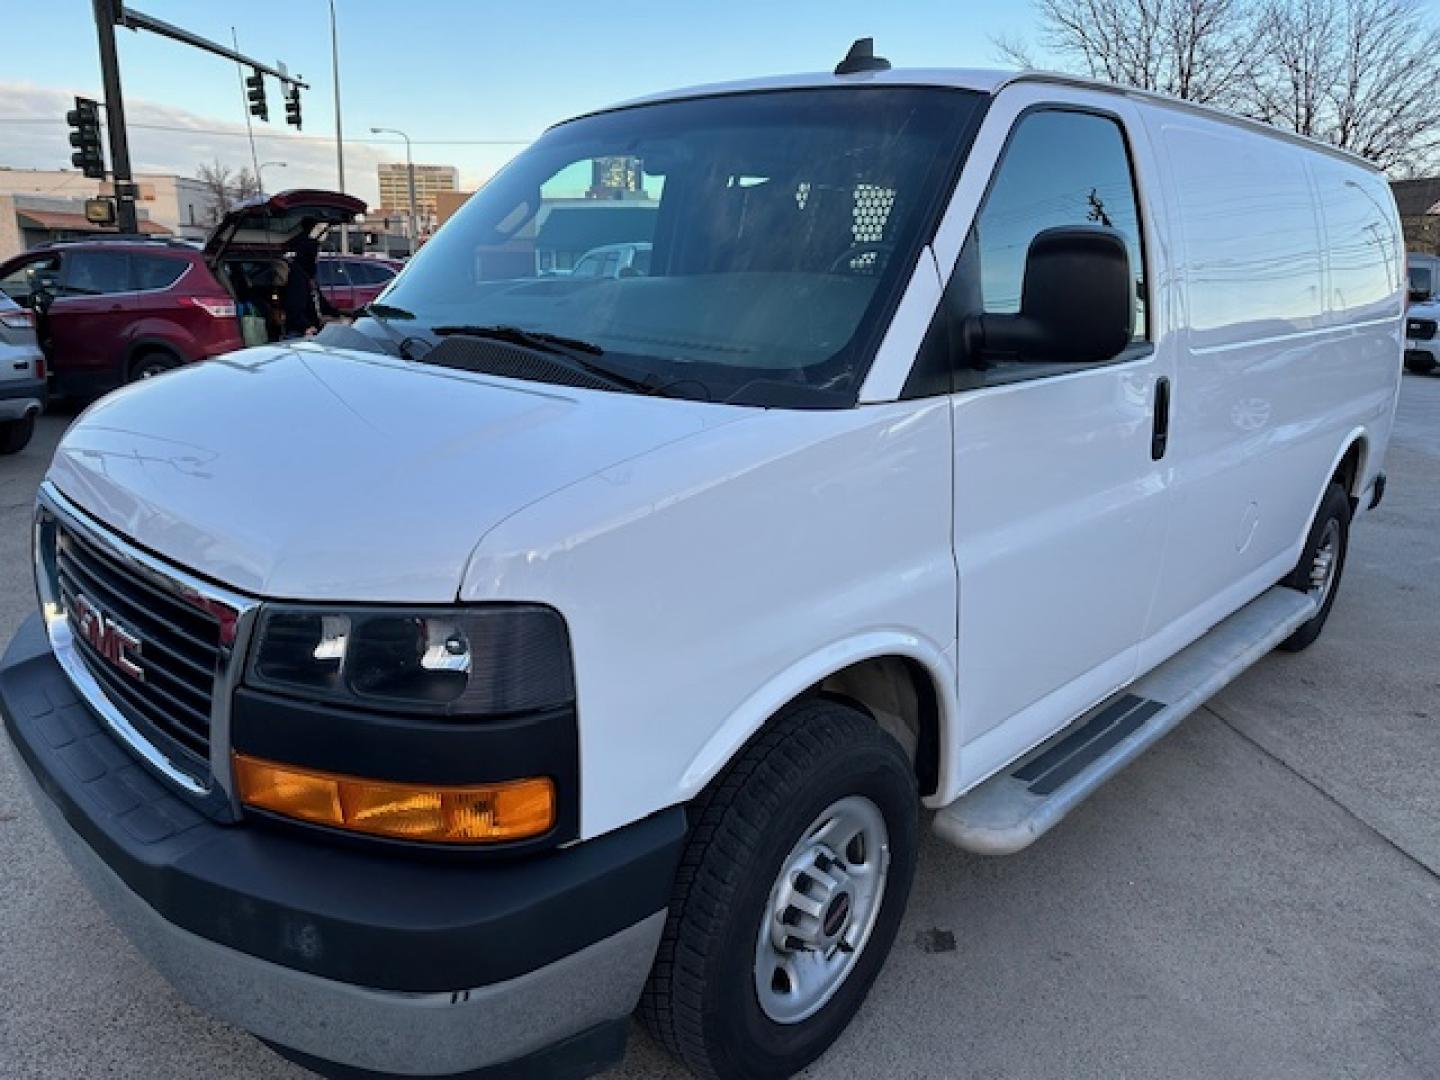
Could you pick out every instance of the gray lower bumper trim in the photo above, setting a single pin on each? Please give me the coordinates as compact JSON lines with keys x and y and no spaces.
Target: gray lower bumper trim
{"x":409,"y":1034}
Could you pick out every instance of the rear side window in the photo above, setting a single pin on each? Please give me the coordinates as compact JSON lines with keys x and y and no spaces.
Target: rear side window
{"x":369,"y":273}
{"x":1422,"y":282}
{"x":94,"y":273}
{"x":330,"y":272}
{"x":155,"y":271}
{"x":21,"y":282}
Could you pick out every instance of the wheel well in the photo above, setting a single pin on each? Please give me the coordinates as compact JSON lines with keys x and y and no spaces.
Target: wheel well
{"x":899,"y":694}
{"x":1347,"y":473}
{"x":142,"y":349}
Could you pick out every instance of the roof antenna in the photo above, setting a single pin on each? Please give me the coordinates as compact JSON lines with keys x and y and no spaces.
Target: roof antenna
{"x":861,"y":57}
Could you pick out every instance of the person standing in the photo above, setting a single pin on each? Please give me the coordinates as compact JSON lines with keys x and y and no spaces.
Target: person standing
{"x":305,"y":306}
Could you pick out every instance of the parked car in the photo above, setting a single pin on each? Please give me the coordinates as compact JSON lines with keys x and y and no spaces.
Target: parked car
{"x":614,"y":261}
{"x":351,"y":282}
{"x":1422,"y":271}
{"x":1422,"y":346}
{"x":22,"y":377}
{"x":116,"y":309}
{"x":537,"y":649}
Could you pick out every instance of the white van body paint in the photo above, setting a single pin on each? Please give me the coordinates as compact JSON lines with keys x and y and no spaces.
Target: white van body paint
{"x":713,"y":561}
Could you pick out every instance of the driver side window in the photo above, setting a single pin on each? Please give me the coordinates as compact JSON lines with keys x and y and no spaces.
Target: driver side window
{"x":1060,"y":168}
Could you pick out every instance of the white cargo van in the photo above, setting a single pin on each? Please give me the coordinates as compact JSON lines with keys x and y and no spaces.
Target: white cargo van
{"x":429,"y":696}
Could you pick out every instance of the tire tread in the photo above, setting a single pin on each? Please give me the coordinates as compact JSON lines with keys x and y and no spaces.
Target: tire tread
{"x":730,"y":818}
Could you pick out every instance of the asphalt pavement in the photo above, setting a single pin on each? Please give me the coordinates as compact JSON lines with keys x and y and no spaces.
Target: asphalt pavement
{"x":1259,"y":896}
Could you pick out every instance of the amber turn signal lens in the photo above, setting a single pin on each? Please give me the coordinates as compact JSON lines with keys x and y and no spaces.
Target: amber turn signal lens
{"x":476,"y":814}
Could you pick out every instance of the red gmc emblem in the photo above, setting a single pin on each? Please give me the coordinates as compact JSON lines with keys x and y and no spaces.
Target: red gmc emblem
{"x":109,"y":638}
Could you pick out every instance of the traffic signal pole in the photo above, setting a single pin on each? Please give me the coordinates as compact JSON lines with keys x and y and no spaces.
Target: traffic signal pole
{"x":112,"y":13}
{"x":125,"y":215}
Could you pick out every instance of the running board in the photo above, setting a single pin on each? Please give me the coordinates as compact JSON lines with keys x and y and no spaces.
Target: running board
{"x":1027,"y":799}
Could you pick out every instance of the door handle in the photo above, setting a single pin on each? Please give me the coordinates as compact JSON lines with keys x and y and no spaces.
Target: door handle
{"x":1160,"y":433}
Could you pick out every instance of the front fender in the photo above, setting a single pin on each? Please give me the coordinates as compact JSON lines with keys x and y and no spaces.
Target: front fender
{"x":710,"y":580}
{"x":785,"y":686}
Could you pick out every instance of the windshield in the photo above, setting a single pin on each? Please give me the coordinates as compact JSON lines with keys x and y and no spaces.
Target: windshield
{"x":716,"y":247}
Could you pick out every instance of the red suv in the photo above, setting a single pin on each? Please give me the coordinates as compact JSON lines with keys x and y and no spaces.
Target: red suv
{"x":123,"y":308}
{"x":352,"y":281}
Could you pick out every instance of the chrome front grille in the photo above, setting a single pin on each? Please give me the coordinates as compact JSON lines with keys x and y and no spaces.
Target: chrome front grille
{"x":177,"y":656}
{"x":154,"y":650}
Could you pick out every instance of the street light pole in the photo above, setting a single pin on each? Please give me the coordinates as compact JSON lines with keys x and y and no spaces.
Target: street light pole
{"x":410,"y":175}
{"x":339,"y":142}
{"x":260,"y":169}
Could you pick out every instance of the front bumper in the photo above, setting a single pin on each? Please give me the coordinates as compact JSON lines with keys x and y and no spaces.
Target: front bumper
{"x":21,"y":399}
{"x":346,"y":955}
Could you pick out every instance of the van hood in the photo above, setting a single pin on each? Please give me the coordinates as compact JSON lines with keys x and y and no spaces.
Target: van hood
{"x":312,"y":473}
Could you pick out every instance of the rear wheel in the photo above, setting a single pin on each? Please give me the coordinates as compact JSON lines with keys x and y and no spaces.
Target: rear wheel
{"x":149,"y":364}
{"x":15,"y":434}
{"x":1321,"y":564}
{"x":788,"y":896}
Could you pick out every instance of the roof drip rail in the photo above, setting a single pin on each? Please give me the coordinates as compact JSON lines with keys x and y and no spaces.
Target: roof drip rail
{"x":861,"y":57}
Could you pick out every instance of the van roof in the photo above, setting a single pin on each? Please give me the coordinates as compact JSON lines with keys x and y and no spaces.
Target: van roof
{"x":988,"y":81}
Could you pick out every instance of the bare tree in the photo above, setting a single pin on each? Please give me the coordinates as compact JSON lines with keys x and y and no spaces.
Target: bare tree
{"x":245,"y":185}
{"x":219,"y":181}
{"x":227,"y":186}
{"x":1362,"y":74}
{"x":1195,"y":49}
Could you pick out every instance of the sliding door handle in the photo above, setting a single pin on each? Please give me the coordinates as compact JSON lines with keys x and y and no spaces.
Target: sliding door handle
{"x":1160,"y":433}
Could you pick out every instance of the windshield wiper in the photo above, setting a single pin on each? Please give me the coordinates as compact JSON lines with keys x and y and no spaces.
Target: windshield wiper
{"x":381,"y":314}
{"x":388,"y":311}
{"x":569,"y":351}
{"x":516,"y":336}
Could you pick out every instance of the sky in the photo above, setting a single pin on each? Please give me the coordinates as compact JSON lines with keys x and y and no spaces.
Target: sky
{"x":470,"y":81}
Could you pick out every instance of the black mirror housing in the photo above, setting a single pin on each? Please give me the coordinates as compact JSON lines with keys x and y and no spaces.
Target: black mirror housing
{"x":1077,"y":303}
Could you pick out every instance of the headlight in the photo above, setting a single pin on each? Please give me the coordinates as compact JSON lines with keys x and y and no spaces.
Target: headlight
{"x":504,"y":658}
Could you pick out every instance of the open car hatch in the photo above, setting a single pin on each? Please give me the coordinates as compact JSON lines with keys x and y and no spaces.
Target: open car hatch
{"x":268,"y":225}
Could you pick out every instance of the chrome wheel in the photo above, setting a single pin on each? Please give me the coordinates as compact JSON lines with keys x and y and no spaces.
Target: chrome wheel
{"x":1325,"y":563}
{"x":821,"y":910}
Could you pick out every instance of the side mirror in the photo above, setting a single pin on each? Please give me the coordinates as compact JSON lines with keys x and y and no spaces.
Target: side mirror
{"x":1077,"y":303}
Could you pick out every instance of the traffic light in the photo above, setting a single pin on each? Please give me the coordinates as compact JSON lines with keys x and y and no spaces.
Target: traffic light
{"x":255,"y":91}
{"x":292,"y":106}
{"x":84,"y":121}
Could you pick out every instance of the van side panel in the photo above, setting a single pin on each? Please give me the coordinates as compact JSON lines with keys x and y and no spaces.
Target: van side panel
{"x":1287,"y":352}
{"x":1365,"y":298}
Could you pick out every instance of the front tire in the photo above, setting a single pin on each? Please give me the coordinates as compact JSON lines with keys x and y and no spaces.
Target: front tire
{"x":1321,"y":564}
{"x":15,"y":434}
{"x":788,"y":897}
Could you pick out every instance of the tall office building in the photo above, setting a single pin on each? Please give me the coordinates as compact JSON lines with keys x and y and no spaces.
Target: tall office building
{"x":429,"y":179}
